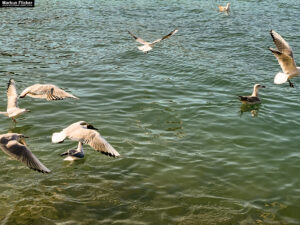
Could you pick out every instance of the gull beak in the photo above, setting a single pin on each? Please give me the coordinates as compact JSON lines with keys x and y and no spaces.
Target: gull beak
{"x":22,"y":141}
{"x":263,"y":86}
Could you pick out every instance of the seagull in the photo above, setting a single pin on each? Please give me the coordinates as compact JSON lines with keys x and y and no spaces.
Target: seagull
{"x":74,"y":154}
{"x":47,"y":91}
{"x":87,"y":134}
{"x":14,"y":145}
{"x":147,"y":46}
{"x":252,"y":99}
{"x":13,"y":110}
{"x":224,"y":8}
{"x":284,"y":55}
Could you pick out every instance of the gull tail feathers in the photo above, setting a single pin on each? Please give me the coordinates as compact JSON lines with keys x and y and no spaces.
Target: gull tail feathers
{"x":58,"y":137}
{"x":281,"y":78}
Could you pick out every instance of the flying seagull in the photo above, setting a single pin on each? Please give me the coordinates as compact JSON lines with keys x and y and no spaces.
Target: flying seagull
{"x":14,"y":145}
{"x":46,"y":91}
{"x":74,"y":154}
{"x":87,"y":134}
{"x":252,"y":99}
{"x":147,"y":46}
{"x":13,"y":110}
{"x":224,"y":8}
{"x":284,"y":55}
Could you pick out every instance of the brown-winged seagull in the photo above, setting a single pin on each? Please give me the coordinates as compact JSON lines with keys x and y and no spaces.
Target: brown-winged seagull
{"x":252,"y":99}
{"x":14,"y":145}
{"x":85,"y":133}
{"x":147,"y":46}
{"x":224,"y":8}
{"x":284,"y":55}
{"x":46,"y":91}
{"x":13,"y":110}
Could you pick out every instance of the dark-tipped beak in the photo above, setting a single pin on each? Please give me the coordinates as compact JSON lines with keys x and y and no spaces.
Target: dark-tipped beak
{"x":25,"y":137}
{"x":263,"y":86}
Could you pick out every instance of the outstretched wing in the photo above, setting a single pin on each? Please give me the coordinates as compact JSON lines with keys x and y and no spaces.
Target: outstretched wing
{"x":12,"y":95}
{"x":23,"y":154}
{"x":94,"y":139}
{"x":285,"y":61}
{"x":46,"y":91}
{"x":165,"y":37}
{"x":281,"y":44}
{"x":138,"y":39}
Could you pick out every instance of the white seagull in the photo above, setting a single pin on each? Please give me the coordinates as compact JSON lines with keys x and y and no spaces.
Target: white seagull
{"x":147,"y":46}
{"x":284,"y":55}
{"x":46,"y":91}
{"x":85,"y":133}
{"x":224,"y":8}
{"x":252,"y":99}
{"x":13,"y":110}
{"x":14,"y":145}
{"x":74,"y":154}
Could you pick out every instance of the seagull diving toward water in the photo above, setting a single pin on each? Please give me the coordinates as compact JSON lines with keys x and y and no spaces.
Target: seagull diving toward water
{"x":252,"y":99}
{"x":284,"y":55}
{"x":224,"y":8}
{"x":147,"y":46}
{"x":13,"y":110}
{"x":14,"y":145}
{"x":74,"y":154}
{"x":46,"y":91}
{"x":85,"y":133}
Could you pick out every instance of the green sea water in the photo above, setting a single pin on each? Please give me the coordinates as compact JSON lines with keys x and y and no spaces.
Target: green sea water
{"x":190,"y":154}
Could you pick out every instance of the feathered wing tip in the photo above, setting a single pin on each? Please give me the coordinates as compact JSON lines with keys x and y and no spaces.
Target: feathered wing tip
{"x":280,"y":78}
{"x":58,"y":137}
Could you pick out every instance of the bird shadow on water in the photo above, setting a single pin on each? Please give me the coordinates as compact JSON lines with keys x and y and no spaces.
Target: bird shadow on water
{"x":253,"y":109}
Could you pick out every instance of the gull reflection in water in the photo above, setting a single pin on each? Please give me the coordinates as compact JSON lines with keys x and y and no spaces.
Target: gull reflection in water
{"x":253,"y":109}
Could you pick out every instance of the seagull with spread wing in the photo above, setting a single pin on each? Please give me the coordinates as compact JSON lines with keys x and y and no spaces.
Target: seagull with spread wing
{"x":147,"y":46}
{"x":87,"y":134}
{"x":13,"y":110}
{"x":284,"y":55}
{"x":46,"y":91}
{"x":14,"y":145}
{"x":224,"y":8}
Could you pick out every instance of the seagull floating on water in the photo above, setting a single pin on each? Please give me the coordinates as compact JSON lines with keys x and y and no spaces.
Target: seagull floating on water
{"x":46,"y":91}
{"x":224,"y":8}
{"x":14,"y":145}
{"x":284,"y":55}
{"x":252,"y":99}
{"x":147,"y":46}
{"x":74,"y":154}
{"x":87,"y":134}
{"x":13,"y":110}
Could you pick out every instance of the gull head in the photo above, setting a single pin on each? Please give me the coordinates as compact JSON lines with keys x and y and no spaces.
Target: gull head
{"x":87,"y":125}
{"x":4,"y":138}
{"x":256,"y":86}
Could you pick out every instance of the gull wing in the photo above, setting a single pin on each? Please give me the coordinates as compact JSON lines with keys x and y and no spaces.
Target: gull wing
{"x":281,"y":44}
{"x":165,"y":37}
{"x":138,"y":39}
{"x":94,"y":139}
{"x":23,"y":154}
{"x":12,"y":95}
{"x":46,"y":91}
{"x":285,"y":61}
